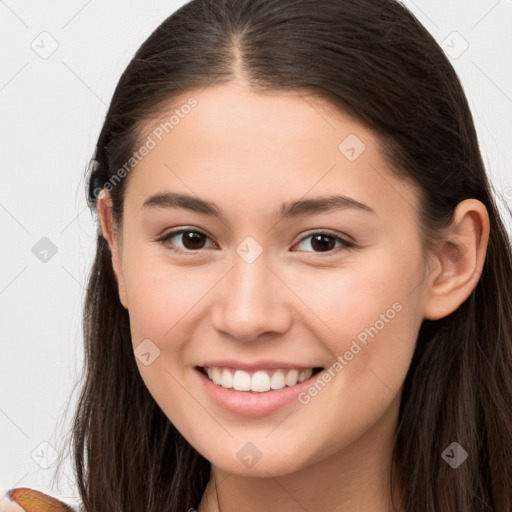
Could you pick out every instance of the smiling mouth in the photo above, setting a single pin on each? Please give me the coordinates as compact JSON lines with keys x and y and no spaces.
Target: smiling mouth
{"x":259,"y":381}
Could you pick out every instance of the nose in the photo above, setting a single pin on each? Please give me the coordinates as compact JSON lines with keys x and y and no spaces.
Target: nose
{"x":252,"y":301}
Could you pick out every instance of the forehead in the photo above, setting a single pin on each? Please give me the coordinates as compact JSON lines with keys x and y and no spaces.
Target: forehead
{"x":281,"y":124}
{"x":272,"y":146}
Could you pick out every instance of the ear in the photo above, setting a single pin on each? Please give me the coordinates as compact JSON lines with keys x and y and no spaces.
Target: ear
{"x":458,"y":261}
{"x":110,"y":233}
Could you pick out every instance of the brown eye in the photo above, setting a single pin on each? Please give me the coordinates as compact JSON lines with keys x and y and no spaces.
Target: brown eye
{"x":326,"y":242}
{"x":191,"y":240}
{"x":323,"y":242}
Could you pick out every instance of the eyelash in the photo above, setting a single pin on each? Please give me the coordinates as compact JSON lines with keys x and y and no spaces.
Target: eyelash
{"x":345,"y":244}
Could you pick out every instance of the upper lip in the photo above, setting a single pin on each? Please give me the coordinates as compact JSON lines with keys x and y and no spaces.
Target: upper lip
{"x":266,"y":364}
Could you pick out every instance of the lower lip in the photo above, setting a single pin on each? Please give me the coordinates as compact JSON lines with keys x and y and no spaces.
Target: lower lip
{"x":251,"y":403}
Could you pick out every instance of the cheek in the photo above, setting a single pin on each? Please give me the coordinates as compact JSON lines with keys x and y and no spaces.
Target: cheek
{"x":370,"y":315}
{"x":373,"y":319}
{"x":162,"y":298}
{"x":161,"y":294}
{"x":354,"y":297}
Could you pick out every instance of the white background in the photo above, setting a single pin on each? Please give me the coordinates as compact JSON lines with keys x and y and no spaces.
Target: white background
{"x":51,"y":111}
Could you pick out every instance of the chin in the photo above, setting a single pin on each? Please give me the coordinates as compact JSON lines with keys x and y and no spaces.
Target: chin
{"x":259,"y":459}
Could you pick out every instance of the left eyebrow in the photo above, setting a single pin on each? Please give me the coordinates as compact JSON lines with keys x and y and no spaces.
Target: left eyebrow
{"x":321,"y":205}
{"x":304,"y":207}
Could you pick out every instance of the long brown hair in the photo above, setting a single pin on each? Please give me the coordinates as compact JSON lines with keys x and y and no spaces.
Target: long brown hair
{"x":376,"y":62}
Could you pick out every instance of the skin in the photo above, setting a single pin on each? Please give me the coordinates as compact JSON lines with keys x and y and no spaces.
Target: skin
{"x":249,"y":152}
{"x":6,"y":505}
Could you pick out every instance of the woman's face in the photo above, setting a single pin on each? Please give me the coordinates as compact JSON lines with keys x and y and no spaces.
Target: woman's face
{"x":247,"y":288}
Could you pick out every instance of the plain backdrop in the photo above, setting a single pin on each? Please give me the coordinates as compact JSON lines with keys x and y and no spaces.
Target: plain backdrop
{"x":59,"y":65}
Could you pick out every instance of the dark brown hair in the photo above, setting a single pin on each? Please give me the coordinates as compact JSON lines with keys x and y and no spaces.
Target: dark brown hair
{"x":373,"y":60}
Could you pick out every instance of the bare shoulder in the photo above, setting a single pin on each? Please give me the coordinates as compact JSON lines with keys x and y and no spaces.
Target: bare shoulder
{"x":6,"y":505}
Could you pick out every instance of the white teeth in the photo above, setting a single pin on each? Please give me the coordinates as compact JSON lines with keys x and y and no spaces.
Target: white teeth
{"x":260,"y":381}
{"x":227,"y":379}
{"x":216,"y":375}
{"x":277,"y":380}
{"x":241,"y":380}
{"x":291,"y":378}
{"x":305,"y":374}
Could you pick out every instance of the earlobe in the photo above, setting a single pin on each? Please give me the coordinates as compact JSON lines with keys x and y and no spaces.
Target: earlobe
{"x":104,"y":207}
{"x":459,"y":260}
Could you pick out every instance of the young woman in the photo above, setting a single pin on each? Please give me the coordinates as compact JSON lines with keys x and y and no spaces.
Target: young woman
{"x":301,"y":297}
